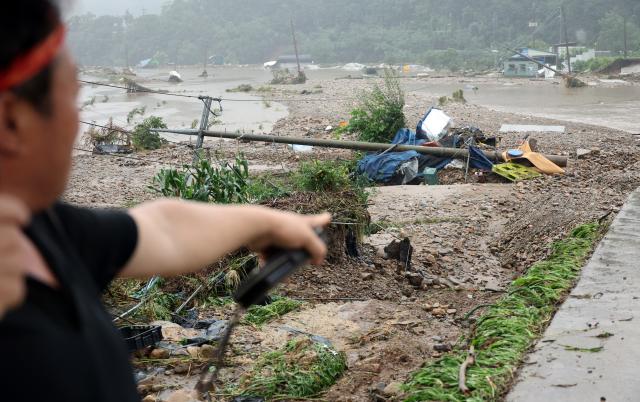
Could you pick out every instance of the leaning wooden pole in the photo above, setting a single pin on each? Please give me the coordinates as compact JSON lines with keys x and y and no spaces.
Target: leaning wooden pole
{"x":542,"y":64}
{"x":353,"y":145}
{"x":570,"y":80}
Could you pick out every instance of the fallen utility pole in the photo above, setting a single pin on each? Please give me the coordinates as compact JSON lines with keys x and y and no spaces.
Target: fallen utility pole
{"x":354,"y":145}
{"x":571,"y":81}
{"x":542,"y":64}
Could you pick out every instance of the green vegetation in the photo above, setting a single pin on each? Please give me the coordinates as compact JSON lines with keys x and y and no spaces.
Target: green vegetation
{"x":380,"y":113}
{"x":322,"y":176}
{"x":504,"y":334}
{"x":456,"y":34}
{"x":331,"y":177}
{"x":156,"y":304}
{"x":223,"y":182}
{"x":593,"y":65}
{"x":143,"y":136}
{"x":267,"y":187}
{"x":259,"y":315}
{"x":457,"y":96}
{"x":241,"y":88}
{"x":301,"y":369}
{"x":135,"y":112}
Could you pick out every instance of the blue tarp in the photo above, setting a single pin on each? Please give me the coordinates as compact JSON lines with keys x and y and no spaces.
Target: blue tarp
{"x":383,"y":168}
{"x":478,"y":160}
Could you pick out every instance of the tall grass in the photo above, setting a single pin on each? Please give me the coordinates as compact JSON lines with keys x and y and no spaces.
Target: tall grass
{"x":504,"y":334}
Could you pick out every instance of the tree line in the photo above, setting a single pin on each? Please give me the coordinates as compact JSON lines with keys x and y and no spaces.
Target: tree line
{"x":456,"y":34}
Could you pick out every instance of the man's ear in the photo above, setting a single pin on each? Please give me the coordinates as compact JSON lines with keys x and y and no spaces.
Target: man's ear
{"x":10,"y":143}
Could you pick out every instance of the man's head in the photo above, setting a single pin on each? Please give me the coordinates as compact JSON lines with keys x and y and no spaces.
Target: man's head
{"x":38,"y":115}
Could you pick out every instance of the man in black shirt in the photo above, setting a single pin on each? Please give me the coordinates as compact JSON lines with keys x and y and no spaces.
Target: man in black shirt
{"x":58,"y":342}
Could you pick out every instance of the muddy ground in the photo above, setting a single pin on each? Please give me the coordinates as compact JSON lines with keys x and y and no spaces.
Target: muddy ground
{"x":471,"y":239}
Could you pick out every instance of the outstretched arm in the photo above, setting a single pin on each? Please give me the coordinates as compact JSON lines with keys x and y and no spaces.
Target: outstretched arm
{"x":177,"y":237}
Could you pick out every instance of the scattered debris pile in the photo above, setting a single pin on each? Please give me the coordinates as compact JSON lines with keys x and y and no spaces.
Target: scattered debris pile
{"x":436,"y":130}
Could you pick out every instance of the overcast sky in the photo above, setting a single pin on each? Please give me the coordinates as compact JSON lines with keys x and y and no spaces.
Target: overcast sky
{"x":116,"y":7}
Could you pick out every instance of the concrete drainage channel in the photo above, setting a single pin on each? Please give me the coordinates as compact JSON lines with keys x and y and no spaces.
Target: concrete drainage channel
{"x":590,"y":351}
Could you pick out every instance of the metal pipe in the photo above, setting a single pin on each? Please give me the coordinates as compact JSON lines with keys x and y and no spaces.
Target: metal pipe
{"x":354,"y":145}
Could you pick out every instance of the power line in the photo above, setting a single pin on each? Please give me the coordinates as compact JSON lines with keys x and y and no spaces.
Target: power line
{"x":218,"y":99}
{"x":139,"y":90}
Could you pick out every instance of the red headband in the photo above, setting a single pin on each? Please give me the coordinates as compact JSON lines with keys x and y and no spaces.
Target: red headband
{"x":26,"y":66}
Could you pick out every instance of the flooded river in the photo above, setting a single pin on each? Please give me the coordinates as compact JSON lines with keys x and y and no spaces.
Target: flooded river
{"x":607,"y":104}
{"x":250,"y":113}
{"x":610,"y":104}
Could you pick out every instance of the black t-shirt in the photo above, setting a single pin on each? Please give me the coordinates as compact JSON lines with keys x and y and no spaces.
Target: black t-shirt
{"x":61,"y":345}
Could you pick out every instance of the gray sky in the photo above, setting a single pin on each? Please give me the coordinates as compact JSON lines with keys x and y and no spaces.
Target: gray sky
{"x":116,"y":7}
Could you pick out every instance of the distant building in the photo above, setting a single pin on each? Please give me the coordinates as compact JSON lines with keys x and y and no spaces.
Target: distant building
{"x":518,"y":66}
{"x":289,"y":61}
{"x":622,"y":67}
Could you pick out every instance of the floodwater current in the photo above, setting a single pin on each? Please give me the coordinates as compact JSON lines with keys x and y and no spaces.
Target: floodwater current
{"x":608,"y":103}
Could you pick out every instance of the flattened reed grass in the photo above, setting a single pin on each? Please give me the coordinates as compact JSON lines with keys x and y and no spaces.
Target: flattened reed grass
{"x":504,"y":334}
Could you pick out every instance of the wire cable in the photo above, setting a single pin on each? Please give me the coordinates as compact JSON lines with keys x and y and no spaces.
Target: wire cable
{"x":102,"y":84}
{"x":219,"y":99}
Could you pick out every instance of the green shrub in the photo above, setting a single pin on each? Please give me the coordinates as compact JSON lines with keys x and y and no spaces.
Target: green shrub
{"x":458,"y":96}
{"x":224,"y":183}
{"x":267,"y":187}
{"x":144,"y":137}
{"x":380,"y":113}
{"x":322,"y":176}
{"x":593,"y":65}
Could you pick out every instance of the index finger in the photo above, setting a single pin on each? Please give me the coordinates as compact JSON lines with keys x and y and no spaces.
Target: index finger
{"x":12,"y":210}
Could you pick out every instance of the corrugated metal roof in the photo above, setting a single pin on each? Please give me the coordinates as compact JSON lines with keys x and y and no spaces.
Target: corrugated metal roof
{"x":532,"y":53}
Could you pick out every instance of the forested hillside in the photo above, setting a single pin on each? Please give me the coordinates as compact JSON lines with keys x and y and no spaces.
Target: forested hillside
{"x":432,"y":32}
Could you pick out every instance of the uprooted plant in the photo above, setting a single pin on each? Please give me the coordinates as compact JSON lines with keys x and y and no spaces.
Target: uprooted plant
{"x":143,"y":136}
{"x":380,"y":113}
{"x":258,"y":315}
{"x":110,"y":134}
{"x":301,"y":369}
